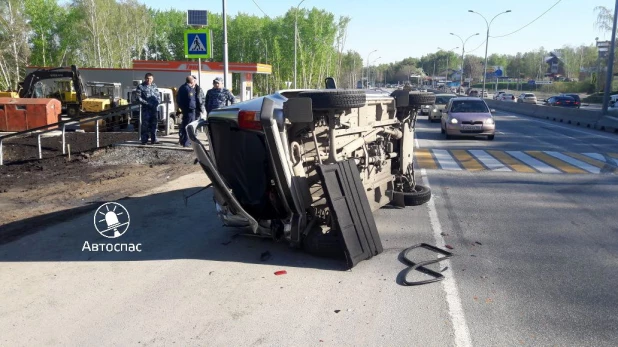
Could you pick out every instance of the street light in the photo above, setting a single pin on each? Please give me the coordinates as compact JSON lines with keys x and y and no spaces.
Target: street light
{"x":295,"y":39}
{"x":463,"y":49}
{"x":369,"y":69}
{"x":368,"y":55}
{"x":446,"y":73}
{"x":487,"y":44}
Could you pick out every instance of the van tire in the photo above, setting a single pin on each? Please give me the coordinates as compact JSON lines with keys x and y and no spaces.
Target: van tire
{"x":420,"y":98}
{"x":335,"y":99}
{"x":419,"y":196}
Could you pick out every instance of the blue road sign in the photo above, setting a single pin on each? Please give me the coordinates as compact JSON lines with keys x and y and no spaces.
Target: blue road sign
{"x":197,"y":44}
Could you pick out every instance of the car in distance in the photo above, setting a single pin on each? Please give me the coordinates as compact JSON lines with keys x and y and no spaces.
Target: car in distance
{"x":507,"y":97}
{"x":466,"y":116}
{"x":527,"y":98}
{"x":561,"y":101}
{"x":497,"y":95}
{"x":576,"y":97}
{"x":441,"y":101}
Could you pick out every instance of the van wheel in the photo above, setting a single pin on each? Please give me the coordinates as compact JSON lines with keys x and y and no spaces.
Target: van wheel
{"x":323,"y":244}
{"x":420,"y":195}
{"x":335,"y":98}
{"x":420,"y":98}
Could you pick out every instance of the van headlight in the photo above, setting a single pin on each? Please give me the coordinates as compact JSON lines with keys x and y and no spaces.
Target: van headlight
{"x":453,"y":120}
{"x":489,"y":121}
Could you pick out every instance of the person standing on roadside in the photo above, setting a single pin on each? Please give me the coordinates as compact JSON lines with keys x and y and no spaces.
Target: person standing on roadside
{"x":218,"y":96}
{"x":187,"y":100}
{"x":148,"y":96}
{"x":200,"y":110}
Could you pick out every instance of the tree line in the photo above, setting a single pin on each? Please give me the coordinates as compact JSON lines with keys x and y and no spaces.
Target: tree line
{"x":110,"y":33}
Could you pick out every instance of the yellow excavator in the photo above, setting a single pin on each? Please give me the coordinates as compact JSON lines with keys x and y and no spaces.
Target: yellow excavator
{"x":70,"y":87}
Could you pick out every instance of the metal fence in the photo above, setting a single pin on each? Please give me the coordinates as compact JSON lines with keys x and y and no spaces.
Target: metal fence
{"x":87,"y":118}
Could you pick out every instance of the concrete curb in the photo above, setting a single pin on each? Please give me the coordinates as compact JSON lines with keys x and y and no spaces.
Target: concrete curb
{"x":584,"y":118}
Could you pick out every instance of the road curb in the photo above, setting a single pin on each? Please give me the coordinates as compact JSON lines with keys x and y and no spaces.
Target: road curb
{"x":578,"y":117}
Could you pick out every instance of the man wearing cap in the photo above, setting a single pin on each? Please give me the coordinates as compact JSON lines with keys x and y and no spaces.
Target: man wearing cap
{"x":218,"y":96}
{"x":186,"y":99}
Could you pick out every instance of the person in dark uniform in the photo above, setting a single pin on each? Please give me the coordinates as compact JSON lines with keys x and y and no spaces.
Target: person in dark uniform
{"x":148,"y":95}
{"x":200,"y":110}
{"x":218,"y":96}
{"x":186,"y":99}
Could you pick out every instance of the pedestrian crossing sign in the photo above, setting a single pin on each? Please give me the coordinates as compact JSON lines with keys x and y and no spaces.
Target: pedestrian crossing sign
{"x":197,"y":43}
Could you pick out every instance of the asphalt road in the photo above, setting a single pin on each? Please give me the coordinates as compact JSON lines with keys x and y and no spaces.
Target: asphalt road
{"x":545,"y":270}
{"x":535,"y":262}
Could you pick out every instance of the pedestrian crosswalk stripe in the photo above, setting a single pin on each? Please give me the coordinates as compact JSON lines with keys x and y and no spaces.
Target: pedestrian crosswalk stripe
{"x":490,"y":162}
{"x":602,"y":158}
{"x":578,"y":163}
{"x":467,"y":161}
{"x":589,"y":160}
{"x":424,"y":159}
{"x":555,"y":162}
{"x":512,"y":162}
{"x":534,"y":163}
{"x":529,"y":161}
{"x":445,"y":160}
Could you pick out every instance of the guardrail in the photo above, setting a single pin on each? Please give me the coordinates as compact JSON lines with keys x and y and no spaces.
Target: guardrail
{"x":574,"y":116}
{"x":86,"y":118}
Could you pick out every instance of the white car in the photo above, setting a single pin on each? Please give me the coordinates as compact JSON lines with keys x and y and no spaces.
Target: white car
{"x":497,"y":95}
{"x":507,"y":97}
{"x":527,"y":98}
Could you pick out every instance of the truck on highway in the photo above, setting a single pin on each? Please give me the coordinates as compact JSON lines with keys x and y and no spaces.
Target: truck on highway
{"x":309,"y":166}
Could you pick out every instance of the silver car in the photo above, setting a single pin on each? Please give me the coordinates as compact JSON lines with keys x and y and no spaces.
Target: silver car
{"x":468,"y":117}
{"x":527,"y":98}
{"x":441,"y":102}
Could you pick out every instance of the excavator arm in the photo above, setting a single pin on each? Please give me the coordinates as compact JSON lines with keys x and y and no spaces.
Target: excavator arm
{"x":27,"y":86}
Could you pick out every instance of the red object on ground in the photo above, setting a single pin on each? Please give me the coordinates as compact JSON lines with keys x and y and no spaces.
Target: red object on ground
{"x":449,"y":246}
{"x":280,"y":272}
{"x":23,"y":113}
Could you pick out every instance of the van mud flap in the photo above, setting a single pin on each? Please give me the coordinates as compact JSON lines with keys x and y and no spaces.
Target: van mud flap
{"x":350,"y":211}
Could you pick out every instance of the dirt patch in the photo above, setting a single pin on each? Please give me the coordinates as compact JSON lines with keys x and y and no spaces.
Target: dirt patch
{"x":20,"y":149}
{"x":36,"y":187}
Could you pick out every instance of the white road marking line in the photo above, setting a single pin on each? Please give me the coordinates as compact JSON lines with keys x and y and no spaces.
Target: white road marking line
{"x":489,"y":161}
{"x":416,"y":143}
{"x":445,"y":160}
{"x":567,"y":128}
{"x":449,"y":284}
{"x":580,"y":164}
{"x":600,"y":157}
{"x":536,"y":164}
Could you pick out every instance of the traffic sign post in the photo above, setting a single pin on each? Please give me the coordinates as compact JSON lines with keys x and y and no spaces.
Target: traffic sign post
{"x":197,"y":43}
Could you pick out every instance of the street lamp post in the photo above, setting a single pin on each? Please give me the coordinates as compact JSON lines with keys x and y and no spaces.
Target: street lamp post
{"x":296,"y":39}
{"x":368,"y":55}
{"x":463,"y":50}
{"x":369,"y":69}
{"x":487,"y":44}
{"x":610,"y":63}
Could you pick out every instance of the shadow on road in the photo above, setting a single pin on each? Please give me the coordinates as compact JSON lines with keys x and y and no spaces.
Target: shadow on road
{"x":161,"y":223}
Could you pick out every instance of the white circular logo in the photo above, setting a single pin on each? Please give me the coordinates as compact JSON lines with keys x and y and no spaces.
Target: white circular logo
{"x":111,"y":220}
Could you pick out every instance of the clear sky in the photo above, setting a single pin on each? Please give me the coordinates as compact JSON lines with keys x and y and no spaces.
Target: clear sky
{"x":412,"y":28}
